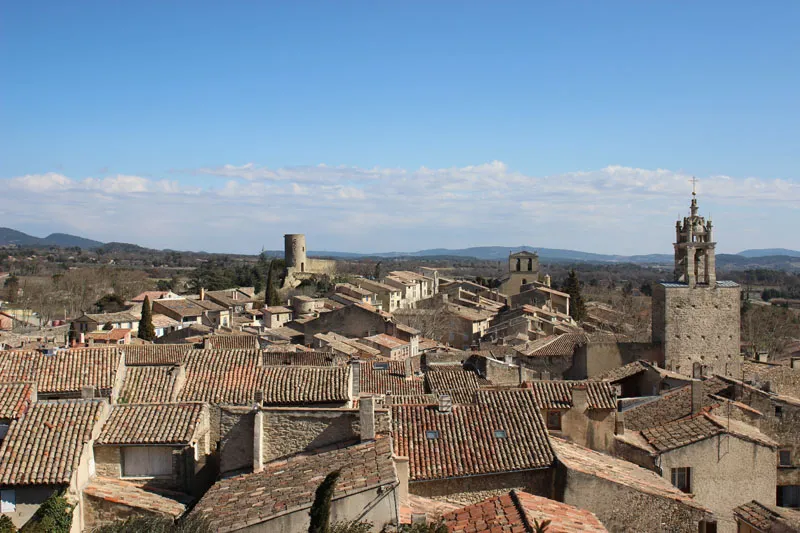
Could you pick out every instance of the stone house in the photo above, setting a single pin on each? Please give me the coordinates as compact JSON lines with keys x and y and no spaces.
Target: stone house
{"x":188,"y":312}
{"x":357,"y":320}
{"x":390,"y":297}
{"x":389,"y":346}
{"x":624,"y":496}
{"x":278,"y":496}
{"x":723,"y":463}
{"x":234,"y":300}
{"x":158,"y":446}
{"x":583,"y":412}
{"x":114,"y":336}
{"x":755,"y":517}
{"x":414,"y":287}
{"x":277,"y":316}
{"x":542,"y":296}
{"x":47,"y":451}
{"x":155,"y":295}
{"x":355,"y":294}
{"x":466,"y":452}
{"x":643,"y":378}
{"x":466,"y":325}
{"x":87,"y":323}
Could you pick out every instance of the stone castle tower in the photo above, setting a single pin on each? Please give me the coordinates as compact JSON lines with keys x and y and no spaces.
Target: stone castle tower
{"x":294,"y":252}
{"x":696,"y":317}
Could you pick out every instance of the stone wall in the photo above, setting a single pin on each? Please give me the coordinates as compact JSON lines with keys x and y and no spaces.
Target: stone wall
{"x":594,"y":358}
{"x":99,"y":512}
{"x":699,"y":325}
{"x":726,"y":472}
{"x":623,"y":508}
{"x":236,"y":439}
{"x":109,"y":463}
{"x":350,"y":321}
{"x":592,"y":428}
{"x":469,"y":490}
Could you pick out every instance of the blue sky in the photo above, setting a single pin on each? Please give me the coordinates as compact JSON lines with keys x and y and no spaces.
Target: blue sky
{"x":400,"y":126}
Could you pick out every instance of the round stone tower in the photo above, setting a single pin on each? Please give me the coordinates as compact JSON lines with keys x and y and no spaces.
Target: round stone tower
{"x":294,"y":251}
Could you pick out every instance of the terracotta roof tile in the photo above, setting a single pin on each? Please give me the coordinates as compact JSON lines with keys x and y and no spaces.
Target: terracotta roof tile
{"x":45,"y":446}
{"x":233,"y":342}
{"x":622,"y":372}
{"x":764,"y":518}
{"x":459,"y":383}
{"x":171,"y":423}
{"x":375,"y":379}
{"x":561,"y":346}
{"x":699,"y":427}
{"x":148,"y":384}
{"x":467,"y":441}
{"x":558,"y":394}
{"x":65,"y":372}
{"x":289,"y":485}
{"x":155,"y":354}
{"x":516,"y":512}
{"x":128,"y":494}
{"x":671,"y":406}
{"x":15,"y":399}
{"x":303,"y":359}
{"x":233,"y":377}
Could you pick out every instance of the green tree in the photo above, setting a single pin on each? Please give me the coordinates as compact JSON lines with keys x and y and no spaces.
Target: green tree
{"x":271,"y":298}
{"x":110,"y":303}
{"x":6,"y":525}
{"x":321,"y":508}
{"x":377,"y":273}
{"x":540,"y":527}
{"x":572,"y":286}
{"x":12,"y":288}
{"x":147,"y":331}
{"x":647,"y":288}
{"x":53,"y":516}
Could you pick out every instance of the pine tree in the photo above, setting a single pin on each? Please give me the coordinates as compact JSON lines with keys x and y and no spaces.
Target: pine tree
{"x":271,"y":298}
{"x":147,"y":331}
{"x":572,"y":286}
{"x":321,"y":508}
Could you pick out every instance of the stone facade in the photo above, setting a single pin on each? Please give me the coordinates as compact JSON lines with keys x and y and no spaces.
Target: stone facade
{"x":595,"y":358}
{"x":523,"y":268}
{"x":698,"y":328}
{"x":469,"y":490}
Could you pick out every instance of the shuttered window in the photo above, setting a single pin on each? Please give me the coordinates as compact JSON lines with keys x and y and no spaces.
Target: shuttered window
{"x":146,"y":461}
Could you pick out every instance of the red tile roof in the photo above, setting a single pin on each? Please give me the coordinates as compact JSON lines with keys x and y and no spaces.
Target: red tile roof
{"x":467,"y":440}
{"x":303,"y":359}
{"x":558,"y":394}
{"x":459,"y":383}
{"x":65,"y":372}
{"x":392,"y":380}
{"x":171,"y":423}
{"x":15,"y":399}
{"x":560,"y":345}
{"x":516,"y":512}
{"x":233,"y":342}
{"x":44,"y":447}
{"x":155,"y":354}
{"x":767,"y":518}
{"x":125,"y":493}
{"x":148,"y":384}
{"x":288,"y":486}
{"x":700,"y":427}
{"x":673,"y":405}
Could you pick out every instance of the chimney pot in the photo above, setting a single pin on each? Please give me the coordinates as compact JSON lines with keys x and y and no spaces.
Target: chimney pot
{"x":580,"y":397}
{"x":207,"y":343}
{"x":445,"y":403}
{"x":87,"y":393}
{"x":408,"y":368}
{"x":366,"y":416}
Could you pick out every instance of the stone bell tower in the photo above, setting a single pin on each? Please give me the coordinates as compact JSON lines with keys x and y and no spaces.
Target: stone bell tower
{"x":695,"y":262}
{"x":696,"y":317}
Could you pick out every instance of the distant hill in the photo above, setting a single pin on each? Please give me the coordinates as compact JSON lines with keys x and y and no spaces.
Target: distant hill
{"x":769,"y":252}
{"x":11,"y":236}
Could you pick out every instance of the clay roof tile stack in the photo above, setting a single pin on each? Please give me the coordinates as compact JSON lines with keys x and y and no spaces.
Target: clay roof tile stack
{"x":15,"y":398}
{"x":148,"y":384}
{"x":172,"y":423}
{"x":155,"y":354}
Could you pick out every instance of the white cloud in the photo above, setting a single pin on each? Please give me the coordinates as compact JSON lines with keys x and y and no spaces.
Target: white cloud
{"x":614,"y":209}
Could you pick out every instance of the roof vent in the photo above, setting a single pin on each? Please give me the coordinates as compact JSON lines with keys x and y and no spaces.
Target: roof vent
{"x":432,"y":435}
{"x":500,"y":433}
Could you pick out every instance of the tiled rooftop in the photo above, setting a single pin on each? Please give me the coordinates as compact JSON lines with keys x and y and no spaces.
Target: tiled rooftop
{"x":768,"y":519}
{"x":44,"y":447}
{"x":148,"y":384}
{"x":673,"y":405}
{"x":380,"y":381}
{"x":233,"y":377}
{"x":622,"y":372}
{"x":560,"y":346}
{"x":699,"y":427}
{"x":459,"y":383}
{"x":65,"y":372}
{"x":289,"y":485}
{"x":155,"y":354}
{"x":233,"y":342}
{"x":516,"y":512}
{"x":558,"y":394}
{"x":130,"y":495}
{"x":15,"y":398}
{"x":603,"y":466}
{"x":171,"y":423}
{"x":504,"y":433}
{"x":303,"y":359}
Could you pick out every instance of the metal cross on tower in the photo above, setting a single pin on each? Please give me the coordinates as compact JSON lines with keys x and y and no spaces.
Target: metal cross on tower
{"x":694,"y":185}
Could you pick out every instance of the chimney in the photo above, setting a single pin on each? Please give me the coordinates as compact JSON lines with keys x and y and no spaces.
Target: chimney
{"x":697,"y":396}
{"x":795,"y":363}
{"x":366,"y":418}
{"x":763,"y":357}
{"x":202,"y":293}
{"x":545,"y":375}
{"x":34,"y":392}
{"x":547,"y":280}
{"x":408,"y":368}
{"x":508,"y":358}
{"x":355,"y":375}
{"x":258,"y":397}
{"x":87,"y":392}
{"x":83,"y":338}
{"x":445,"y":403}
{"x":401,"y":467}
{"x":207,"y":343}
{"x":619,"y":423}
{"x":580,"y":397}
{"x":258,"y":441}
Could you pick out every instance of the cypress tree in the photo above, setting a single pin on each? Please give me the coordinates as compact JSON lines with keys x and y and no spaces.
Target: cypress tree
{"x":572,"y":286}
{"x":147,"y":331}
{"x":321,"y":508}
{"x":271,"y":298}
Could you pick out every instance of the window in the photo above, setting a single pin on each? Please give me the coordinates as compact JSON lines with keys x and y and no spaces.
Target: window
{"x":383,"y":365}
{"x":681,"y":478}
{"x":553,"y":419}
{"x":778,"y":411}
{"x":146,"y":461}
{"x":3,"y":430}
{"x":8,"y":501}
{"x":500,"y":433}
{"x":784,"y":458}
{"x":432,"y":435}
{"x":789,"y":496}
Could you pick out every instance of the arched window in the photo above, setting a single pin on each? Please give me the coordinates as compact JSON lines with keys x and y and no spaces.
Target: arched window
{"x":530,"y":265}
{"x":519,"y":265}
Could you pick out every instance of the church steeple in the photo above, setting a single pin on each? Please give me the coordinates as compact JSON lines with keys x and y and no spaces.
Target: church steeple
{"x":695,"y":262}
